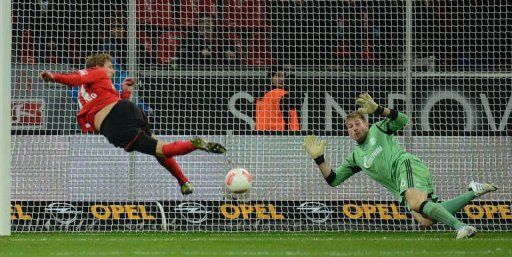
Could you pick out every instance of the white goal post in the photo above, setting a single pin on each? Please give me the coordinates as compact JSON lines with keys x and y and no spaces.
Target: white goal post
{"x":5,"y":119}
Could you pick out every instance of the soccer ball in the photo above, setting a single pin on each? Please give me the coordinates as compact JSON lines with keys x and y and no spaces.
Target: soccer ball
{"x":238,"y":180}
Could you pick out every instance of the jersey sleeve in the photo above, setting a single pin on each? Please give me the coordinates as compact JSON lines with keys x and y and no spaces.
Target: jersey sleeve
{"x":345,"y":170}
{"x":390,"y":125}
{"x":80,"y":77}
{"x":126,"y":94}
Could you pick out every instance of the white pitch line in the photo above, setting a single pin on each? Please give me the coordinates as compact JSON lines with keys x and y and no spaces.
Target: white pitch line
{"x":121,"y":239}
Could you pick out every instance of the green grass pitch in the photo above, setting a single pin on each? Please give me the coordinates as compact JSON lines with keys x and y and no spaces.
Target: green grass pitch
{"x":392,"y":244}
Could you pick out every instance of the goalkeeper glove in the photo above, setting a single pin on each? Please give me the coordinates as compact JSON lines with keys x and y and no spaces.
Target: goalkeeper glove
{"x":314,"y":148}
{"x":368,"y":106}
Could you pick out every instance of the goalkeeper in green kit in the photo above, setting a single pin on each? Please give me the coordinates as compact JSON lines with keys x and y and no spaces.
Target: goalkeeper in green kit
{"x":380,"y":156}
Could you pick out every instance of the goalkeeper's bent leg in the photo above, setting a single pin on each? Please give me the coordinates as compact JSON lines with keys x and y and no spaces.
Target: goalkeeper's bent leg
{"x":437,"y":212}
{"x":418,"y":202}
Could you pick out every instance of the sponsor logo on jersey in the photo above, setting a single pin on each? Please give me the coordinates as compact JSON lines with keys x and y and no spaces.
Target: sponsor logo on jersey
{"x":368,"y":160}
{"x":85,"y":95}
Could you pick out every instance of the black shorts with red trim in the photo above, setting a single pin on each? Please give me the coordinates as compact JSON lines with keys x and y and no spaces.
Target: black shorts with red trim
{"x":125,"y":125}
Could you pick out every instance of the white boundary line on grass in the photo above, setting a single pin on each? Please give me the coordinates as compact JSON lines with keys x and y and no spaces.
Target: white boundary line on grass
{"x":167,"y":239}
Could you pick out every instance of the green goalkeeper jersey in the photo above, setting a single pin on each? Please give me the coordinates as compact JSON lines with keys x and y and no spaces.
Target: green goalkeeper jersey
{"x":378,"y":156}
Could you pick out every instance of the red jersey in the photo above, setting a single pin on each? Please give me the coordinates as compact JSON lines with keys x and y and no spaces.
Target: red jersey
{"x":96,"y":91}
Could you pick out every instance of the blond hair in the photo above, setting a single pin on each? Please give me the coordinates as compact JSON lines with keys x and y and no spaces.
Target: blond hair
{"x":353,"y":116}
{"x":97,"y":60}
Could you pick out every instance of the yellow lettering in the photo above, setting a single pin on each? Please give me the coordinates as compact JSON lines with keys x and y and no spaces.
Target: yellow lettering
{"x":274,"y":214}
{"x":21,"y":215}
{"x":347,"y":211}
{"x":490,"y":210}
{"x":130,"y":212}
{"x":104,"y":209}
{"x":505,"y":212}
{"x":116,"y":211}
{"x":474,"y":211}
{"x":383,"y":211}
{"x":144,"y":214}
{"x":396,"y":213}
{"x":368,"y":210}
{"x":260,"y":211}
{"x":232,"y":214}
{"x":246,"y":210}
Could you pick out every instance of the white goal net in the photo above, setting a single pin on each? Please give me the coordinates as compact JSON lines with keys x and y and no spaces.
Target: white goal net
{"x":202,"y":67}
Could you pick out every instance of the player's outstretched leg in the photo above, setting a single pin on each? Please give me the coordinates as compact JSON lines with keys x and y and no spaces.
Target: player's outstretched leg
{"x":481,"y":188}
{"x":174,"y":168}
{"x":211,"y":147}
{"x":466,"y":232}
{"x":176,"y":148}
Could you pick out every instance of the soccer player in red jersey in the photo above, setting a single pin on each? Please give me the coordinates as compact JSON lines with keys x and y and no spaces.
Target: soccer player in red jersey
{"x":105,"y":110}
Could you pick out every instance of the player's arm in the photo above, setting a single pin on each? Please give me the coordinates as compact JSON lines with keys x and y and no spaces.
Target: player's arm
{"x":316,"y":150}
{"x":127,"y":87}
{"x":345,"y":171}
{"x":74,"y":79}
{"x":397,"y":120}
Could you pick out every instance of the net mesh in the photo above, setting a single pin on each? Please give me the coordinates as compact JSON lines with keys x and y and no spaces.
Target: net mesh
{"x":202,"y":67}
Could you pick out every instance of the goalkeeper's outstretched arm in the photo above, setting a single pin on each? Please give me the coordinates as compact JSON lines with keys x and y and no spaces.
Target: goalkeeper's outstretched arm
{"x":316,"y":150}
{"x":368,"y":106}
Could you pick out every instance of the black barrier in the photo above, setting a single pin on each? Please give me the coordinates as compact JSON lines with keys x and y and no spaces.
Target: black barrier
{"x":238,"y":216}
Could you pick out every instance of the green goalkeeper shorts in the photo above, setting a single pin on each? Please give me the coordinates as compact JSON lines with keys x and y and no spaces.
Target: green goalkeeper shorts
{"x":414,"y":174}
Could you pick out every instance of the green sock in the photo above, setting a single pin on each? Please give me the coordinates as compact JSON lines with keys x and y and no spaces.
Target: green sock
{"x":439,"y":213}
{"x":456,"y":204}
